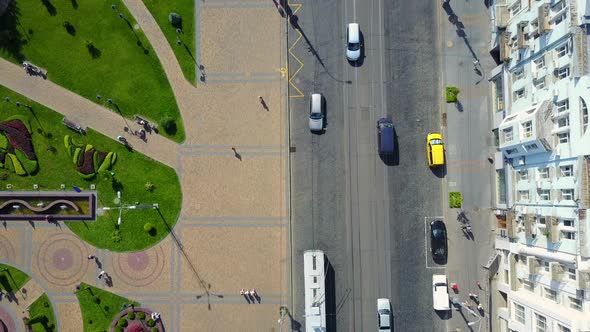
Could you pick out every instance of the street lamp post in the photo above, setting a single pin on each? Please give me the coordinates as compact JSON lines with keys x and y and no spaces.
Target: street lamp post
{"x":122,"y":207}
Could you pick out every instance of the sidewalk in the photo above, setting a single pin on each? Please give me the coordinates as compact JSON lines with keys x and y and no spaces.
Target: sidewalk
{"x":465,"y":62}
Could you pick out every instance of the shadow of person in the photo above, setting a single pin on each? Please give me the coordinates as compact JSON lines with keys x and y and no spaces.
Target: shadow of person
{"x":247,"y":297}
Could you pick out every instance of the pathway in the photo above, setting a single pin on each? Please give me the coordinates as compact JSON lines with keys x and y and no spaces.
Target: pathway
{"x":83,"y":112}
{"x":233,"y":229}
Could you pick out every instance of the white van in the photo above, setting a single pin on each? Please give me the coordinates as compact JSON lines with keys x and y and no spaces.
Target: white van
{"x":353,"y":42}
{"x":440,"y":292}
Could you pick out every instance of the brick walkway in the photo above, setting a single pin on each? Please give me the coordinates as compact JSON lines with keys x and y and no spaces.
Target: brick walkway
{"x":233,"y":227}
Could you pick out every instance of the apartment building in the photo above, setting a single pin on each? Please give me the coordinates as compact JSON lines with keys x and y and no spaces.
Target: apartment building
{"x":541,"y":94}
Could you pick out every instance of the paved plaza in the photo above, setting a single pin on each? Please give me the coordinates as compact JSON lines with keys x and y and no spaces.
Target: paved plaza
{"x":233,"y":230}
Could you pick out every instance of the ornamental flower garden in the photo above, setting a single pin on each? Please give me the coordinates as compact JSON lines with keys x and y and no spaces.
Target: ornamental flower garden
{"x":89,"y":160}
{"x":16,"y":146}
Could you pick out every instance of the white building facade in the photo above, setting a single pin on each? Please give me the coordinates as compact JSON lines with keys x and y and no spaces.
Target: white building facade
{"x":541,"y":93}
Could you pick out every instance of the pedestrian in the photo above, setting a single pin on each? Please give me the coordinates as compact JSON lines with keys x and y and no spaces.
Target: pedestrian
{"x":91,"y":257}
{"x":262,"y":102}
{"x":102,"y":274}
{"x":253,"y":292}
{"x":234,"y":149}
{"x":478,"y":284}
{"x":242,"y":292}
{"x":246,"y":293}
{"x":480,"y":307}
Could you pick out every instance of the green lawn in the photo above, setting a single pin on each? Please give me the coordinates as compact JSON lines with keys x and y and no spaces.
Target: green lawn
{"x":132,"y":171}
{"x":13,"y":279}
{"x":122,"y":65}
{"x":99,"y":316}
{"x":185,"y":53}
{"x":41,"y":314}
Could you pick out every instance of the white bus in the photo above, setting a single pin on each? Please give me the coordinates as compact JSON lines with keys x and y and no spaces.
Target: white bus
{"x":315,"y":291}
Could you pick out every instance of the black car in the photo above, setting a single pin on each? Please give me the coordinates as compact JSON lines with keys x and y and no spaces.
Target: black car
{"x":438,"y":241}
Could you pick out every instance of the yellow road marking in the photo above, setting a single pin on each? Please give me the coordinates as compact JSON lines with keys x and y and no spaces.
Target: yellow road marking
{"x":300,"y":94}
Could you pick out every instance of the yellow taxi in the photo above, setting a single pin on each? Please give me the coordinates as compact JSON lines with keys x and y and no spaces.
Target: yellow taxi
{"x":435,"y":149}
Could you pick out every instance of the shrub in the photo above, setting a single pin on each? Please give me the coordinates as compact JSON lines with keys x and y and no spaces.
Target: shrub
{"x":122,"y":322}
{"x":131,"y":315}
{"x":3,"y":142}
{"x":452,"y":94}
{"x":113,"y":158}
{"x":118,"y":329}
{"x":149,"y":186}
{"x":148,"y":227}
{"x":141,"y":315}
{"x":29,"y":165}
{"x":87,"y":166}
{"x":169,"y":124}
{"x":175,"y":20}
{"x":116,"y":236}
{"x":154,"y":329}
{"x":97,"y":300}
{"x":455,"y":199}
{"x":88,"y":148}
{"x":151,"y":322}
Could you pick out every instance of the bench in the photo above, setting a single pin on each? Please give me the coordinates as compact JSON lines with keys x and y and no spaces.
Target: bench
{"x":75,"y":127}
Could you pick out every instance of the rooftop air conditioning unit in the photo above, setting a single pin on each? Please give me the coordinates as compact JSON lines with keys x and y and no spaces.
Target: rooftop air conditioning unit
{"x":521,"y":161}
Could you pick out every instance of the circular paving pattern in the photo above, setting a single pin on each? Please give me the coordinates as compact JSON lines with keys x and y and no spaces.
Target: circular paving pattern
{"x":61,"y":259}
{"x":139,"y":268}
{"x":7,"y":253}
{"x":7,"y":322}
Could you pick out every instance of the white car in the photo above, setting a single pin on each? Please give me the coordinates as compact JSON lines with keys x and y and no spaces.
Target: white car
{"x":353,"y":42}
{"x":384,"y":314}
{"x":316,"y":112}
{"x":440,"y":292}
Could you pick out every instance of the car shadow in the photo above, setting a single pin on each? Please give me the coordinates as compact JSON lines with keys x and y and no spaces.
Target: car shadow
{"x":361,"y":59}
{"x":444,"y":315}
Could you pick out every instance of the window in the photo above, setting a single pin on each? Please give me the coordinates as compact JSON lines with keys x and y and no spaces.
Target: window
{"x":523,"y":195}
{"x":515,"y":8}
{"x":519,"y":313}
{"x":523,"y":174}
{"x":527,"y":127}
{"x":543,"y":172}
{"x":563,"y":72}
{"x":545,"y":195}
{"x":539,"y":83}
{"x":529,"y":285}
{"x":567,"y":194}
{"x":563,"y":137}
{"x":559,"y":5}
{"x":568,"y":235}
{"x":584,"y":110}
{"x":507,"y":134}
{"x":563,"y":122}
{"x":571,"y":273}
{"x":546,"y":268}
{"x":540,"y":323}
{"x":519,"y":94}
{"x":541,"y":221}
{"x":575,"y":303}
{"x":511,"y":151}
{"x":561,"y":328}
{"x":560,"y":18}
{"x":518,"y":74}
{"x":563,"y":105}
{"x":569,"y":222}
{"x":530,"y":147}
{"x":567,"y":170}
{"x":562,"y":50}
{"x":550,"y":293}
{"x":539,"y":63}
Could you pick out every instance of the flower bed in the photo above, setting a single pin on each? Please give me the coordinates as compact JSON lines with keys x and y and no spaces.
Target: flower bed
{"x":87,"y":159}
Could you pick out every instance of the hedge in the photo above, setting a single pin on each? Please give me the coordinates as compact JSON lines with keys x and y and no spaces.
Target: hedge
{"x":22,"y":119}
{"x":3,"y":142}
{"x":88,"y":147}
{"x":114,"y":158}
{"x":29,"y":165}
{"x":18,"y":168}
{"x":76,"y":156}
{"x":106,"y":164}
{"x":8,"y":163}
{"x":141,"y":315}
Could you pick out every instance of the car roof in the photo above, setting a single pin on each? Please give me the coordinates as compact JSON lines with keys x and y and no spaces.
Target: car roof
{"x":353,"y":33}
{"x":316,"y":102}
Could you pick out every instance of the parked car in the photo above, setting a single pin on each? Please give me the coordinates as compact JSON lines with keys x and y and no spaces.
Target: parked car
{"x":316,"y":112}
{"x":353,"y":42}
{"x":384,"y":314}
{"x":438,"y":240}
{"x":440,"y":292}
{"x":435,"y":149}
{"x":385,"y":136}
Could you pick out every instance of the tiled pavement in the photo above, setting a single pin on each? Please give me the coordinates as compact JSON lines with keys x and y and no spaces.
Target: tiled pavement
{"x":233,"y":228}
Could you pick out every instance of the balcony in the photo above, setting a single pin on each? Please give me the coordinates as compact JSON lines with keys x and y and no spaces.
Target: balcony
{"x":554,"y":235}
{"x":529,"y":226}
{"x":557,"y":271}
{"x":532,"y":264}
{"x":511,"y":224}
{"x":543,"y":18}
{"x":583,"y":280}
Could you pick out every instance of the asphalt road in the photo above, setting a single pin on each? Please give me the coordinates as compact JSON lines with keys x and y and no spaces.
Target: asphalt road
{"x":367,"y":215}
